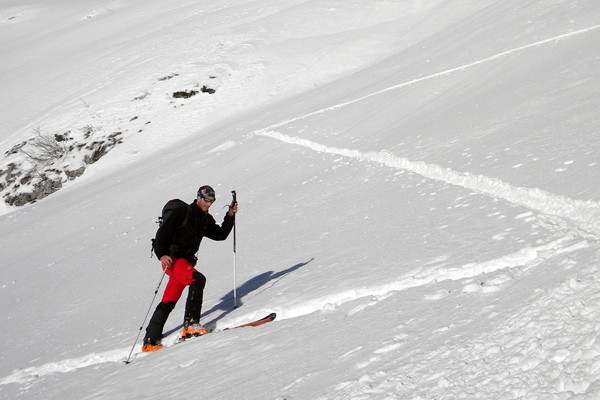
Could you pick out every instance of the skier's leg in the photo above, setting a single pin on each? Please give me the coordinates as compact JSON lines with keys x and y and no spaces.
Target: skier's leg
{"x":157,"y":322}
{"x":170,"y":297}
{"x":193,"y":305}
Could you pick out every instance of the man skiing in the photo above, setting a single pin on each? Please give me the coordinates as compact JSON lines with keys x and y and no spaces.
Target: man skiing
{"x":176,"y":243}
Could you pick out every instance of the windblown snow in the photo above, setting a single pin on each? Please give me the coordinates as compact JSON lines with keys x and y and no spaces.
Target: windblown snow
{"x":418,"y":189}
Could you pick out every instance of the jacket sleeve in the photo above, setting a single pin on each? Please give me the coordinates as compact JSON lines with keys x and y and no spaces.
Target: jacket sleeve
{"x":166,"y":232}
{"x":216,"y":232}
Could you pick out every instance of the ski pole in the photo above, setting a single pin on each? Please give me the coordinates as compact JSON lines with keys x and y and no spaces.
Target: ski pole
{"x":146,"y":317}
{"x":234,"y":254}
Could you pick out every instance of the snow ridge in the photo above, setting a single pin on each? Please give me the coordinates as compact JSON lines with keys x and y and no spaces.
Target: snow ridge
{"x":64,"y":366}
{"x":553,"y":39}
{"x":584,"y":214}
{"x":521,"y":260}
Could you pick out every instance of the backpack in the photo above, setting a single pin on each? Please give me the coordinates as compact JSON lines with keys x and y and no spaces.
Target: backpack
{"x":166,"y":213}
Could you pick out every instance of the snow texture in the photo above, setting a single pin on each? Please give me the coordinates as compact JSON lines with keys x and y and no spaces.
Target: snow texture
{"x":418,"y":188}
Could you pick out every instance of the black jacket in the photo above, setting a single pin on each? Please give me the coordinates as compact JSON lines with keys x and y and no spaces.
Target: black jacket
{"x":179,"y":236}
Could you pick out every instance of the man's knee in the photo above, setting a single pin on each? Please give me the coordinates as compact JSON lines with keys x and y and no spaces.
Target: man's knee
{"x":166,"y":306}
{"x":199,"y":279}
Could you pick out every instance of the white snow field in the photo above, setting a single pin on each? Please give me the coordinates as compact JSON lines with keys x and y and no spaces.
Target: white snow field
{"x":418,"y":183}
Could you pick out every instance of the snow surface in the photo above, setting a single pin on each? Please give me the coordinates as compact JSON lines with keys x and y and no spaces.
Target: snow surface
{"x":418,"y":187}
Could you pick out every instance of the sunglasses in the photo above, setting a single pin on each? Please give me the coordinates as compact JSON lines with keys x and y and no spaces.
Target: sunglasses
{"x":209,"y":200}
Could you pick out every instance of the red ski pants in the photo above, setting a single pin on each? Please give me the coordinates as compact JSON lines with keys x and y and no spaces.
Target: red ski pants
{"x":180,"y":276}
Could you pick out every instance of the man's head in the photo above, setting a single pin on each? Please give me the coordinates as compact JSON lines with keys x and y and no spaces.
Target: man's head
{"x":206,"y":197}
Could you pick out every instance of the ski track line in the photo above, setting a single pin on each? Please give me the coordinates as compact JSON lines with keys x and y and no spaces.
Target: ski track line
{"x":442,"y":73}
{"x":525,"y":258}
{"x":31,"y":373}
{"x":584,"y":213}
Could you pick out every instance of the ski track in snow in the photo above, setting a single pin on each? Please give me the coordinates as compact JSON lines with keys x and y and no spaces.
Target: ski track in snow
{"x":438,"y":74}
{"x":29,"y":374}
{"x":584,"y":226}
{"x":584,"y":214}
{"x":578,"y":219}
{"x":523,"y":259}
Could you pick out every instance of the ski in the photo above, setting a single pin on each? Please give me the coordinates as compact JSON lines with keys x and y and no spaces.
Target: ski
{"x":258,"y":322}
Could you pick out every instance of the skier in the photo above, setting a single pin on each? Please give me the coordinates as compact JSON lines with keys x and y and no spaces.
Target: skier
{"x":176,"y":243}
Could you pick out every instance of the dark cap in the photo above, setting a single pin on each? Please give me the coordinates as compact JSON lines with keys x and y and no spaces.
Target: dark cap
{"x":206,"y":192}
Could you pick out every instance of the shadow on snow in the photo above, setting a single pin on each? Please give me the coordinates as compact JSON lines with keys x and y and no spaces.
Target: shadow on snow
{"x":263,"y":282}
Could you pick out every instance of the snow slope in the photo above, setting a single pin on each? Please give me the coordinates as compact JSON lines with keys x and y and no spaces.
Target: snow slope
{"x":417,"y":184}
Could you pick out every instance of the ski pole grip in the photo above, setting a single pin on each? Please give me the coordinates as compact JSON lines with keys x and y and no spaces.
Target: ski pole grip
{"x":234,"y":196}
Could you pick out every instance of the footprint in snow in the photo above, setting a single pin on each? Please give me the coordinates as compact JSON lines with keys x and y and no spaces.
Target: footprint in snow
{"x":437,"y":294}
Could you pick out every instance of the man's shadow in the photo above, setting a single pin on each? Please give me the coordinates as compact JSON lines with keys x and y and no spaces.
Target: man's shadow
{"x":265,"y":281}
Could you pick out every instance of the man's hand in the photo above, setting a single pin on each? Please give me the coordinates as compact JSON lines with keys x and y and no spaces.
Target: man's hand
{"x":167,"y":262}
{"x":233,"y":208}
